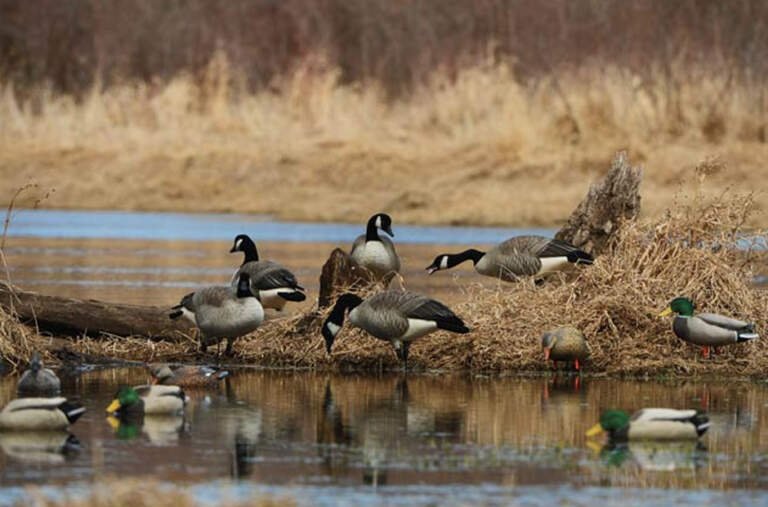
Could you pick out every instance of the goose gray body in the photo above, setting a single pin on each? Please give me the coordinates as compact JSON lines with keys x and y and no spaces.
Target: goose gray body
{"x":710,"y":329}
{"x":377,"y":256}
{"x":39,"y":414}
{"x":38,"y":379}
{"x":268,"y":281}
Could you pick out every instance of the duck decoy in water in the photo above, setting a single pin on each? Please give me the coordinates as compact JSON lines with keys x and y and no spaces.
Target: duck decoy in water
{"x":565,"y":343}
{"x":148,"y":399}
{"x":38,"y":380}
{"x":40,"y":414}
{"x":376,"y":253}
{"x":521,"y":256}
{"x":651,"y":424}
{"x":706,"y":329}
{"x":399,"y":317}
{"x":186,"y":376}
{"x":271,"y":282}
{"x":222,"y":312}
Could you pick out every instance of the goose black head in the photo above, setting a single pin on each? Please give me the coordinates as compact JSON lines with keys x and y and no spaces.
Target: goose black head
{"x":35,"y":365}
{"x":244,"y":243}
{"x":335,"y":320}
{"x":440,"y":262}
{"x":382,"y":221}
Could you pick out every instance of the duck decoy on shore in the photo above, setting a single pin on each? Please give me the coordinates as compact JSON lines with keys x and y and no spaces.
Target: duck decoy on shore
{"x":38,"y":380}
{"x":374,"y":252}
{"x":147,"y":400}
{"x":706,"y":329}
{"x":271,"y":282}
{"x":651,"y":424}
{"x":399,"y":317}
{"x":222,"y":312}
{"x":565,"y":343}
{"x":521,"y":256}
{"x":186,"y":376}
{"x":40,"y":414}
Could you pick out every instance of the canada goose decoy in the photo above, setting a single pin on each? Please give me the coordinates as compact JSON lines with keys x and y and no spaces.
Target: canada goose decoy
{"x":706,"y":329}
{"x":40,"y":414}
{"x":651,"y":424}
{"x":38,"y":379}
{"x":374,"y":252}
{"x":517,"y":257}
{"x":186,"y":376}
{"x":272,"y":283}
{"x":565,"y":343}
{"x":399,"y":317}
{"x":150,"y":400}
{"x":222,"y":312}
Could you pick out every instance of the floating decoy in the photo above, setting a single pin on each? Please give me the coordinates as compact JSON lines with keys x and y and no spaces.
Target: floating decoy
{"x":271,"y":282}
{"x":376,"y":253}
{"x":147,"y":399}
{"x":651,"y":424}
{"x":706,"y":329}
{"x":40,"y":414}
{"x":399,"y":317}
{"x":38,"y":379}
{"x":521,"y":256}
{"x":222,"y":312}
{"x":565,"y":343}
{"x":186,"y":376}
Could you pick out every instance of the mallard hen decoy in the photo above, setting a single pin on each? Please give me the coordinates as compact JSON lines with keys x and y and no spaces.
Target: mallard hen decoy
{"x":706,"y":329}
{"x":651,"y":424}
{"x":186,"y":376}
{"x":376,"y":253}
{"x":38,"y":379}
{"x":40,"y":414}
{"x":148,"y":399}
{"x":565,"y":343}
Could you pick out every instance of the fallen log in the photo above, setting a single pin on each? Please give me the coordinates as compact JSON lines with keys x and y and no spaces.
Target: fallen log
{"x":77,"y":317}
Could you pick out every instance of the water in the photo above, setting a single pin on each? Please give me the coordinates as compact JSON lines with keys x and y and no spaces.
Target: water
{"x":449,"y":439}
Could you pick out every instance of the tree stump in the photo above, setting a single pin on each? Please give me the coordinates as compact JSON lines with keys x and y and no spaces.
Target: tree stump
{"x":607,"y":204}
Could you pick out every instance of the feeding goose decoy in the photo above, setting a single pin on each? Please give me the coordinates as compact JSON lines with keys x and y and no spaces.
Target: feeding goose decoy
{"x":148,"y":399}
{"x":399,"y":317}
{"x":376,"y":253}
{"x":706,"y":329}
{"x":222,"y":312}
{"x":565,"y":343}
{"x":272,"y":283}
{"x":651,"y":424}
{"x":517,"y":257}
{"x":186,"y":376}
{"x":40,"y":414}
{"x":38,"y":379}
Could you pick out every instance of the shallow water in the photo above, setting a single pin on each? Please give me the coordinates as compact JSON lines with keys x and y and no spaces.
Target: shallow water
{"x":395,"y":440}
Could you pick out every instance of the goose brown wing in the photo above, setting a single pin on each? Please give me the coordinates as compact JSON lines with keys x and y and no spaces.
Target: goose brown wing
{"x":274,"y":276}
{"x":416,"y":306}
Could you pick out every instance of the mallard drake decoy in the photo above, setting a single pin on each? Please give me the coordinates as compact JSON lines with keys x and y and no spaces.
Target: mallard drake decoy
{"x":565,"y":343}
{"x":38,"y":379}
{"x":272,"y":283}
{"x":517,"y":257}
{"x":222,"y":312}
{"x":399,"y":317}
{"x":651,"y":424}
{"x":40,"y":414}
{"x":376,"y":253}
{"x":706,"y":329}
{"x":148,"y":399}
{"x":186,"y":376}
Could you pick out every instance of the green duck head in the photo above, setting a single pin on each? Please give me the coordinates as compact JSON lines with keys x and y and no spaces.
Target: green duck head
{"x":610,"y":421}
{"x":126,"y":398}
{"x":681,"y":306}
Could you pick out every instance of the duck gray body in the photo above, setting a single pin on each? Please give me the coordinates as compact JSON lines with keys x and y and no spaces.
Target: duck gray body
{"x":711,"y":329}
{"x":38,"y":379}
{"x":377,"y":256}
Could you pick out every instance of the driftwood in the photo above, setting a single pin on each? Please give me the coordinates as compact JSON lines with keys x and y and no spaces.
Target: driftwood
{"x":609,"y":202}
{"x":94,"y":318}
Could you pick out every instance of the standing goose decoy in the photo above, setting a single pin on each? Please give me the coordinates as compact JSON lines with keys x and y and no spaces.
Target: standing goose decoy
{"x":376,"y":253}
{"x":147,"y":400}
{"x":651,"y":424}
{"x":517,"y":257}
{"x":40,"y":414}
{"x":707,"y":329}
{"x":38,"y":379}
{"x":222,"y":312}
{"x":273,"y":283}
{"x":399,"y":317}
{"x":565,"y":343}
{"x":186,"y":376}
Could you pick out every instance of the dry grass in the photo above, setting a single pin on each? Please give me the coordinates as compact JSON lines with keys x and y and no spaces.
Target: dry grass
{"x":489,"y":147}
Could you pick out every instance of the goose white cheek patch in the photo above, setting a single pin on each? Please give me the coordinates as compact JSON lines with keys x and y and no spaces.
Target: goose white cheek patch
{"x":378,"y":222}
{"x":444,"y":263}
{"x":333,"y":328}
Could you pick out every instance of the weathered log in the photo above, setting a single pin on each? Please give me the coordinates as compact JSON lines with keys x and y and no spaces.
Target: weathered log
{"x":609,"y":202}
{"x":94,"y":318}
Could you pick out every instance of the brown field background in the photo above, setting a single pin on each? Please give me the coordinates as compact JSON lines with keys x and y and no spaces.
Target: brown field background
{"x":438,"y":111}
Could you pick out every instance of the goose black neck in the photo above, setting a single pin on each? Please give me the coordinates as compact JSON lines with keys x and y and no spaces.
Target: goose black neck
{"x":244,"y":286}
{"x":372,"y":231}
{"x":467,"y":255}
{"x":346,"y":302}
{"x":249,"y":250}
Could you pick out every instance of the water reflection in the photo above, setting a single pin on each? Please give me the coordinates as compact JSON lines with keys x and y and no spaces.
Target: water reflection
{"x":51,"y":447}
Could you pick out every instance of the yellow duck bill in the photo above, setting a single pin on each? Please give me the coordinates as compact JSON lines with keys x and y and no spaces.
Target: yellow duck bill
{"x":666,"y":312}
{"x":114,"y":406}
{"x":594,"y":430}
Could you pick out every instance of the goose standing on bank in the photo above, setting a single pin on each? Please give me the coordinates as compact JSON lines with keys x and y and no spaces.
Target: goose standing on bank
{"x":222,"y":312}
{"x":651,"y":424}
{"x":273,"y":283}
{"x":707,"y":329}
{"x":38,"y":379}
{"x":517,"y":257}
{"x":374,"y":252}
{"x":40,"y":414}
{"x":399,"y":317}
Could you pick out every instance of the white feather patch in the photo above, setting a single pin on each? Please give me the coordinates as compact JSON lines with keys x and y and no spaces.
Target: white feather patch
{"x":333,"y":328}
{"x":552,"y":264}
{"x":270,"y":299}
{"x":444,"y":262}
{"x":418,"y":328}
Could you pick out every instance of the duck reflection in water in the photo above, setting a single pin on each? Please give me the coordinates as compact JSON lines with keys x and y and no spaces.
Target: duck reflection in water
{"x":161,"y":430}
{"x":42,"y":447}
{"x":654,"y":456}
{"x":563,"y":386}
